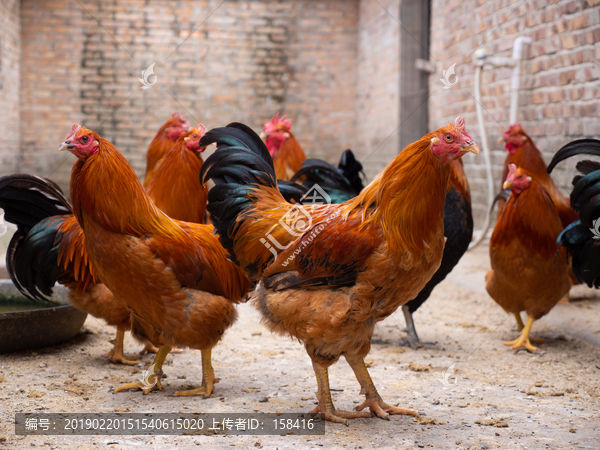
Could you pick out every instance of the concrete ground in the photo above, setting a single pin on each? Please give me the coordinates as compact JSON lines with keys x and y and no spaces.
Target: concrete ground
{"x":495,"y":398}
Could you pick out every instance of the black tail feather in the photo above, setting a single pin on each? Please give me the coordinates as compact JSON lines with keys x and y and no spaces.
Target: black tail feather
{"x":240,"y":163}
{"x":28,"y":199}
{"x":578,"y":147}
{"x":31,"y":258}
{"x":350,"y":168}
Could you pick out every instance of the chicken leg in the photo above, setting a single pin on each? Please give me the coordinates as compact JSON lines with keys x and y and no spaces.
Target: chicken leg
{"x":116,"y":354}
{"x":325,"y":406}
{"x":208,"y":378}
{"x":373,"y":399}
{"x":523,"y":339}
{"x":151,"y":380}
{"x":412,"y":339}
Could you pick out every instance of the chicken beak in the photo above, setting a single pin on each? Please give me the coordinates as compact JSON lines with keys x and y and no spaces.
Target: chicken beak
{"x":471,"y":147}
{"x":65,"y":146}
{"x":501,"y":139}
{"x":507,"y":185}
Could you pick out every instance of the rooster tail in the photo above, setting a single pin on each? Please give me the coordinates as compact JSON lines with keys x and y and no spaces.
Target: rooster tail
{"x":31,"y":258}
{"x":239,"y":168}
{"x":350,"y":168}
{"x":579,"y":147}
{"x":317,"y":172}
{"x":32,"y":261}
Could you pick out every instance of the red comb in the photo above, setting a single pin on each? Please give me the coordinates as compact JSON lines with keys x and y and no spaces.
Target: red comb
{"x":74,"y":129}
{"x":276,"y":124}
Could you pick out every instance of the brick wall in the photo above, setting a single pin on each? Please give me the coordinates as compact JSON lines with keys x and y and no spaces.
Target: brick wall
{"x":560,"y":75}
{"x":10,"y":82}
{"x":247,"y":61}
{"x":51,"y":83}
{"x":378,"y":88}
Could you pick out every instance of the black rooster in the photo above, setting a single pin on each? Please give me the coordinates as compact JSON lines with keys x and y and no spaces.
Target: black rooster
{"x":581,"y":238}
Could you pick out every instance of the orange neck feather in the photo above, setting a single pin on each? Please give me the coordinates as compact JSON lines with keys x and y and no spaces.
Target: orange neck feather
{"x":106,"y":188}
{"x":176,"y":187}
{"x":530,"y":217}
{"x":407,"y":199}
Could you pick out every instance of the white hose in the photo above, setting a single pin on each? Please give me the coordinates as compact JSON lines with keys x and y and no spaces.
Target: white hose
{"x":480,"y":234}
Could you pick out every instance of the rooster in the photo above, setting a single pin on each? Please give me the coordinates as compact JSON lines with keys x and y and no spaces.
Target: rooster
{"x":344,"y":183}
{"x":524,"y":154}
{"x":176,"y":187}
{"x":344,"y":267}
{"x":341,"y":183}
{"x":284,"y":148}
{"x":166,"y":135}
{"x":173,"y":276}
{"x":529,"y":271}
{"x":581,"y":238}
{"x":49,"y":245}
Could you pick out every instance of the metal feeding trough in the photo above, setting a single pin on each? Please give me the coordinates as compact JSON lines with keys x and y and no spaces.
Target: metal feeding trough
{"x":26,"y":325}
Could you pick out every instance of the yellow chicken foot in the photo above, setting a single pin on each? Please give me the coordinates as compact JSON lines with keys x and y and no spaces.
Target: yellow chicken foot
{"x":373,"y":399}
{"x":116,"y":354}
{"x":151,"y":348}
{"x":325,"y":406}
{"x":208,"y":378}
{"x":523,"y":339}
{"x":521,"y":326}
{"x":152,"y":377}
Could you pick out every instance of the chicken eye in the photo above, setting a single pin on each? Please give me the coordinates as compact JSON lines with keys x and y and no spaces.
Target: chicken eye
{"x":448,"y":138}
{"x":195,"y":136}
{"x":84,"y":139}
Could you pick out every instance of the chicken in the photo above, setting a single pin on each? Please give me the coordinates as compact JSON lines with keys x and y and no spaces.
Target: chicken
{"x":284,"y":148}
{"x":43,"y":253}
{"x":458,"y":218}
{"x":582,"y":237}
{"x":529,"y":271}
{"x":341,"y":183}
{"x":173,"y":276}
{"x":344,"y":267}
{"x":176,"y":188}
{"x":49,"y":247}
{"x":166,"y":135}
{"x":524,"y":154}
{"x":458,"y":230}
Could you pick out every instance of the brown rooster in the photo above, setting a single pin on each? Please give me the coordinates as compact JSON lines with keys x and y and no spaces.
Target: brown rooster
{"x":285,"y":150}
{"x":345,"y":267}
{"x":173,"y":276}
{"x":176,"y":187}
{"x":55,"y":238}
{"x":529,"y":270}
{"x":166,"y":135}
{"x":524,"y":154}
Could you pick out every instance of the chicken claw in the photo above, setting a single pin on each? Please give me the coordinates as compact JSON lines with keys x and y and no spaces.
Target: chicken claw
{"x":325,"y":406}
{"x":152,"y":376}
{"x":383,"y":410}
{"x":523,"y":339}
{"x":116,"y":355}
{"x":208,"y":379}
{"x":373,"y":399}
{"x":151,"y":348}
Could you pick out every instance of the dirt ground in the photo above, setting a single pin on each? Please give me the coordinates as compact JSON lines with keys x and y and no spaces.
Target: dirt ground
{"x":501,"y":399}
